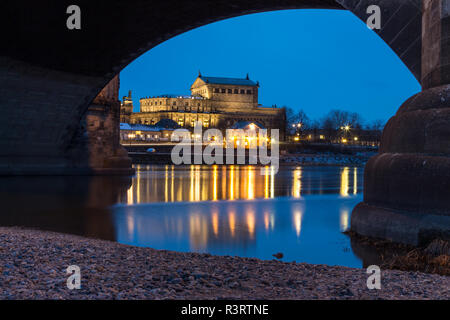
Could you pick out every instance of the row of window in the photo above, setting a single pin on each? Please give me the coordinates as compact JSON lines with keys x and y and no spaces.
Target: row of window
{"x":160,"y":103}
{"x":201,"y":91}
{"x":231,"y":91}
{"x":187,"y":108}
{"x":204,"y":122}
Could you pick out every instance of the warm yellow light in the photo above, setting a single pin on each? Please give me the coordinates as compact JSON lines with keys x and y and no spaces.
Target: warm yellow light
{"x":266,"y":221}
{"x":344,"y":182}
{"x":344,"y":220}
{"x":251,"y":223}
{"x":298,"y":216}
{"x":344,"y":140}
{"x":215,"y":223}
{"x":356,"y":138}
{"x":347,"y":128}
{"x":252,"y":126}
{"x":232,"y":223}
{"x":251,"y":185}
{"x":232,"y":182}
{"x":296,"y":139}
{"x":215,"y":183}
{"x":297,"y":183}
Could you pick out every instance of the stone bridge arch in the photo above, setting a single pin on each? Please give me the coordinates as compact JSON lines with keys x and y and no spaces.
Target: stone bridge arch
{"x":49,"y":77}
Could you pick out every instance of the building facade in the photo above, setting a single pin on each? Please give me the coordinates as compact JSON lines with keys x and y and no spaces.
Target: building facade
{"x":144,"y":133}
{"x":126,"y":108}
{"x":215,"y":102}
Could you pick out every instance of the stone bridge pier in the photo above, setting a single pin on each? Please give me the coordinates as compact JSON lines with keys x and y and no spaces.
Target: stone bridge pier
{"x":95,"y":145}
{"x":407,"y":185}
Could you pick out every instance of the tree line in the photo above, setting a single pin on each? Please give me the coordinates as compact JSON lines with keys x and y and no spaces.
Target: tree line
{"x":335,"y":125}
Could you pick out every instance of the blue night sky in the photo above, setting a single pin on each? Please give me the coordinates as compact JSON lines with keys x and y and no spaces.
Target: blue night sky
{"x":315,"y":60}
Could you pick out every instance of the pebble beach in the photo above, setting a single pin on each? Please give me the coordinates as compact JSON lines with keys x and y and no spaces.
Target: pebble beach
{"x":33,"y":266}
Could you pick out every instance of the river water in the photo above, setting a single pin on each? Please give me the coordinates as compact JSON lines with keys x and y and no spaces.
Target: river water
{"x":225,"y":210}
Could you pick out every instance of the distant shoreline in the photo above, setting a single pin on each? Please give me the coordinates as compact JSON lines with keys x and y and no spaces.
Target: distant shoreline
{"x":322,"y":155}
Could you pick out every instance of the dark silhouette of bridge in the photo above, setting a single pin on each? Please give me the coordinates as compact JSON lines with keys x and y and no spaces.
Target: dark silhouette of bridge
{"x":52,"y":122}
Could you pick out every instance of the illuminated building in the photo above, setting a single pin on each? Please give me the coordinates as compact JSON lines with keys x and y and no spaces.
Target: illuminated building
{"x":214,"y":102}
{"x":145,"y":133}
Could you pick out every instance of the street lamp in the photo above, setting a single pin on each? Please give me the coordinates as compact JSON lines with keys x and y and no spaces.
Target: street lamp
{"x":345,"y":133}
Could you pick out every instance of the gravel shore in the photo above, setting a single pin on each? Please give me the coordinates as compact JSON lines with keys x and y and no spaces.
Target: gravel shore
{"x":34,"y":263}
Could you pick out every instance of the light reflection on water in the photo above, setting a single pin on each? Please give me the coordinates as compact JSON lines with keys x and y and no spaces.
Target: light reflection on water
{"x":235,"y":210}
{"x":203,"y":183}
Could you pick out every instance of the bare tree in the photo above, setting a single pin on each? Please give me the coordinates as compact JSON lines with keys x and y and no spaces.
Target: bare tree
{"x":376,"y":125}
{"x":338,"y":123}
{"x":297,"y":122}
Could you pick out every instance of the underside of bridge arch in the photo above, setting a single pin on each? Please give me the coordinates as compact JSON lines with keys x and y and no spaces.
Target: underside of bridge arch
{"x":55,"y":122}
{"x":50,"y":75}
